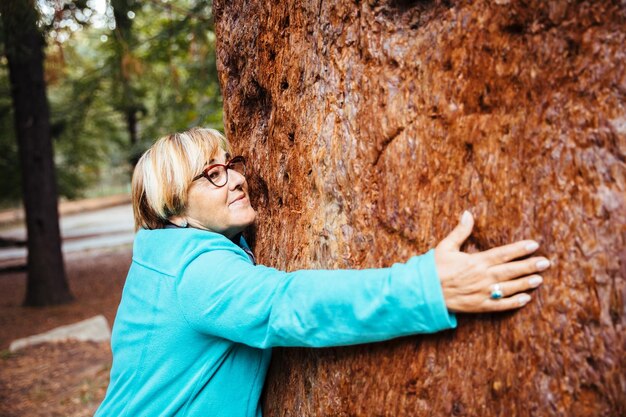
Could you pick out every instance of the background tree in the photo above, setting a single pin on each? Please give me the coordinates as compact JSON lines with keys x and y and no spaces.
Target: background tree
{"x":9,"y":160}
{"x":371,"y":125}
{"x":126,"y":68}
{"x":114,"y":89}
{"x":162,"y":61}
{"x":170,"y":75}
{"x":24,"y":44}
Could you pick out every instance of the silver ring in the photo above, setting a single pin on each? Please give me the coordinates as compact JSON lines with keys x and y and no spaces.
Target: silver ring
{"x":496,"y":293}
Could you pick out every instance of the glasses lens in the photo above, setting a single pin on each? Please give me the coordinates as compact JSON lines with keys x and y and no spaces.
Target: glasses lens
{"x":238,"y":164}
{"x":217,"y":176}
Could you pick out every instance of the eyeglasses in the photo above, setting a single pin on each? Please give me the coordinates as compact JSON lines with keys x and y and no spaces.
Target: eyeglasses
{"x":217,"y":174}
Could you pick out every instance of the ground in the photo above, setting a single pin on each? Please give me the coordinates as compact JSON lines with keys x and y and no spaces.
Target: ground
{"x":67,"y":379}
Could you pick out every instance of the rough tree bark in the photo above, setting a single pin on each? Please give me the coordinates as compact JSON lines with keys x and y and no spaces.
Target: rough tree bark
{"x":46,"y":282}
{"x":371,"y":125}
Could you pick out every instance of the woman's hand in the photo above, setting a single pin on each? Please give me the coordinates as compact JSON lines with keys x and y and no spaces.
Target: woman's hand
{"x":469,"y":280}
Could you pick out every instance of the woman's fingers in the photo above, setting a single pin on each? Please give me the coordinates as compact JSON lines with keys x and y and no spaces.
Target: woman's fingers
{"x":459,"y":234}
{"x":510,"y":293}
{"x":508,"y":271}
{"x":467,"y":279}
{"x":515,"y":286}
{"x":504,"y":304}
{"x":507,"y":253}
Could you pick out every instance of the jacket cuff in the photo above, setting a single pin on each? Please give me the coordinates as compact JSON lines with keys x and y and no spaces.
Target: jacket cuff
{"x":431,"y":288}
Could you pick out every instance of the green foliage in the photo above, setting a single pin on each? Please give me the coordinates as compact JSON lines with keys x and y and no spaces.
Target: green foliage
{"x":89,"y":134}
{"x":173,"y":69}
{"x":158,"y":64}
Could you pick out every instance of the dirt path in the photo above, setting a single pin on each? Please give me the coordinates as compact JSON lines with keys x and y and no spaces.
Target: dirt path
{"x":66,"y":379}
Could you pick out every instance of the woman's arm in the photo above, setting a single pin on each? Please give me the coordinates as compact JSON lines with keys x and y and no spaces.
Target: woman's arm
{"x":221,"y":293}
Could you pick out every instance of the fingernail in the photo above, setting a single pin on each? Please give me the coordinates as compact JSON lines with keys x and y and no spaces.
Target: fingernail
{"x":543,"y":264}
{"x":466,"y":218}
{"x":532,"y":246}
{"x":523,"y":299}
{"x":535,"y":281}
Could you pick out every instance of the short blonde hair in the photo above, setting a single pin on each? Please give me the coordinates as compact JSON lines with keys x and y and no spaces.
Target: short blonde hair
{"x":164,"y":174}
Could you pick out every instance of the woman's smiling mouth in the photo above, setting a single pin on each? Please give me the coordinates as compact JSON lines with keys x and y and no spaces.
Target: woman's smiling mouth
{"x":239,"y":200}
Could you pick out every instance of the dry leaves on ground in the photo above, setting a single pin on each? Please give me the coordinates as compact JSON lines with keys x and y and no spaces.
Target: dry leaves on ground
{"x":65,"y":379}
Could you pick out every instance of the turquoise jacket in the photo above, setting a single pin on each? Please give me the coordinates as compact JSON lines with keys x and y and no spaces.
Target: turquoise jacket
{"x":197,"y":321}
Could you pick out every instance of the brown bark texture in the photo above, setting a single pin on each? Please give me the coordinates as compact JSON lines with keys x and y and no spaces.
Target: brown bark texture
{"x":46,"y":283}
{"x":371,"y":125}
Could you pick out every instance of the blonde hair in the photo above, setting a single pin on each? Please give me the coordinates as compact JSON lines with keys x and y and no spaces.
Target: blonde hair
{"x":164,"y":174}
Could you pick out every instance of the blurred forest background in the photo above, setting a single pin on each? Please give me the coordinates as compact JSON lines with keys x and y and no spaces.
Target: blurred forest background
{"x":119,"y":74}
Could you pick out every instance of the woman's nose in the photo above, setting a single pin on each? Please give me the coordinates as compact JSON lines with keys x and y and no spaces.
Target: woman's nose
{"x":235,"y":179}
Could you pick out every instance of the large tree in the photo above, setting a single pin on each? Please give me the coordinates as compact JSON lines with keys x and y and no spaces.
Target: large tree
{"x":161,"y":63}
{"x":24,"y":44}
{"x":126,"y":66}
{"x":371,"y":125}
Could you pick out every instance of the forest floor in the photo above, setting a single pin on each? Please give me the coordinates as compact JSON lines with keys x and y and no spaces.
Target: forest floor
{"x":66,"y":379}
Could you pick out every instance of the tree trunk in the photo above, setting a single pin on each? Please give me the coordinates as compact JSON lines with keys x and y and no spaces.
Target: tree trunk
{"x":46,"y":283}
{"x":126,"y":67}
{"x":131,"y":126}
{"x":371,"y":125}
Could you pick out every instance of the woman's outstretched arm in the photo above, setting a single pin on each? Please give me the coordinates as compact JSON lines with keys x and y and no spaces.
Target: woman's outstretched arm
{"x":222,"y":293}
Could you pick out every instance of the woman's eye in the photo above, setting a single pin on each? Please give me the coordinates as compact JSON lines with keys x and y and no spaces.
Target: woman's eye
{"x":214,"y":174}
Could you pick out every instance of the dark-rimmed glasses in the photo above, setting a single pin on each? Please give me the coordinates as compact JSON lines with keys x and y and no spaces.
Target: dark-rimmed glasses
{"x":217,"y":174}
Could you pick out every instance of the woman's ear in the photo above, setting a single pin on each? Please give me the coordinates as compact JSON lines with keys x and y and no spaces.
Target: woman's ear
{"x":179,"y":221}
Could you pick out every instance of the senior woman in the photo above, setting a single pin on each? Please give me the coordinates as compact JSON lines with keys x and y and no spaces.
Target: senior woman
{"x":198,"y":318}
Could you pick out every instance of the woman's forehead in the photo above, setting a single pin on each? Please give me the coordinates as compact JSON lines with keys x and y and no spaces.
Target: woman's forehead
{"x":219,"y":157}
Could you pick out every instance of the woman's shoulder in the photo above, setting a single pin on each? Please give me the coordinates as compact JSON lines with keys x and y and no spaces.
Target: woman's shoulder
{"x":170,"y":250}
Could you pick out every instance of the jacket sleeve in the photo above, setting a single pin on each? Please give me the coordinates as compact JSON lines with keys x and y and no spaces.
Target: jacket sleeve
{"x":223,"y":294}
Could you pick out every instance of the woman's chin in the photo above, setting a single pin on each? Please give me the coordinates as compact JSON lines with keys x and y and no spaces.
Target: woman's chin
{"x":247,"y":218}
{"x":252,"y":217}
{"x":240,"y":225}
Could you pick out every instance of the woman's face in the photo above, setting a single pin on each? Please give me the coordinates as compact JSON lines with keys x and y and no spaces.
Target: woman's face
{"x":224,"y":210}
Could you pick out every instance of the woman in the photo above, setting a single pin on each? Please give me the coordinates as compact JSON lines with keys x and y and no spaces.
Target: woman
{"x":197,"y":319}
